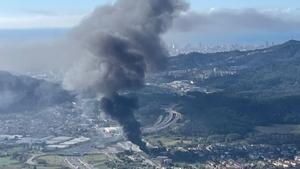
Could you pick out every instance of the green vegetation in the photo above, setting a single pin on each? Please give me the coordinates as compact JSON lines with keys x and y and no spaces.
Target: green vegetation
{"x":279,"y":129}
{"x":168,"y":141}
{"x":8,"y":163}
{"x":50,"y":162}
{"x":50,"y":167}
{"x":263,"y":90}
{"x":97,"y":160}
{"x":219,"y":113}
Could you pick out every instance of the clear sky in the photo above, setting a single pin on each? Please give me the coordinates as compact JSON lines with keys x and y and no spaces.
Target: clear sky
{"x":65,"y":13}
{"x":16,"y":7}
{"x":21,"y":6}
{"x":84,"y":5}
{"x":20,"y":14}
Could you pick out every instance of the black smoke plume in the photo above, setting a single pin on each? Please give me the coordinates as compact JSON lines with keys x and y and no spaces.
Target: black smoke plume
{"x":123,"y":41}
{"x":121,"y":108}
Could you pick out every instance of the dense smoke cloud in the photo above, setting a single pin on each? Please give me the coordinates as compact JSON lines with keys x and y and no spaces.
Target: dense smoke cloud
{"x":124,"y":41}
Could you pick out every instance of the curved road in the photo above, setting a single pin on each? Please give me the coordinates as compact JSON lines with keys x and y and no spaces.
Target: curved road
{"x":164,"y":121}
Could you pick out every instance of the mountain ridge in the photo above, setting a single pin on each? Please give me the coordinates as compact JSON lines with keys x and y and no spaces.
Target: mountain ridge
{"x":22,"y":93}
{"x":259,"y":70}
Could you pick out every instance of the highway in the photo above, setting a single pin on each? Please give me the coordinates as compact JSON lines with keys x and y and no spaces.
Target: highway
{"x":164,"y":121}
{"x":76,"y":163}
